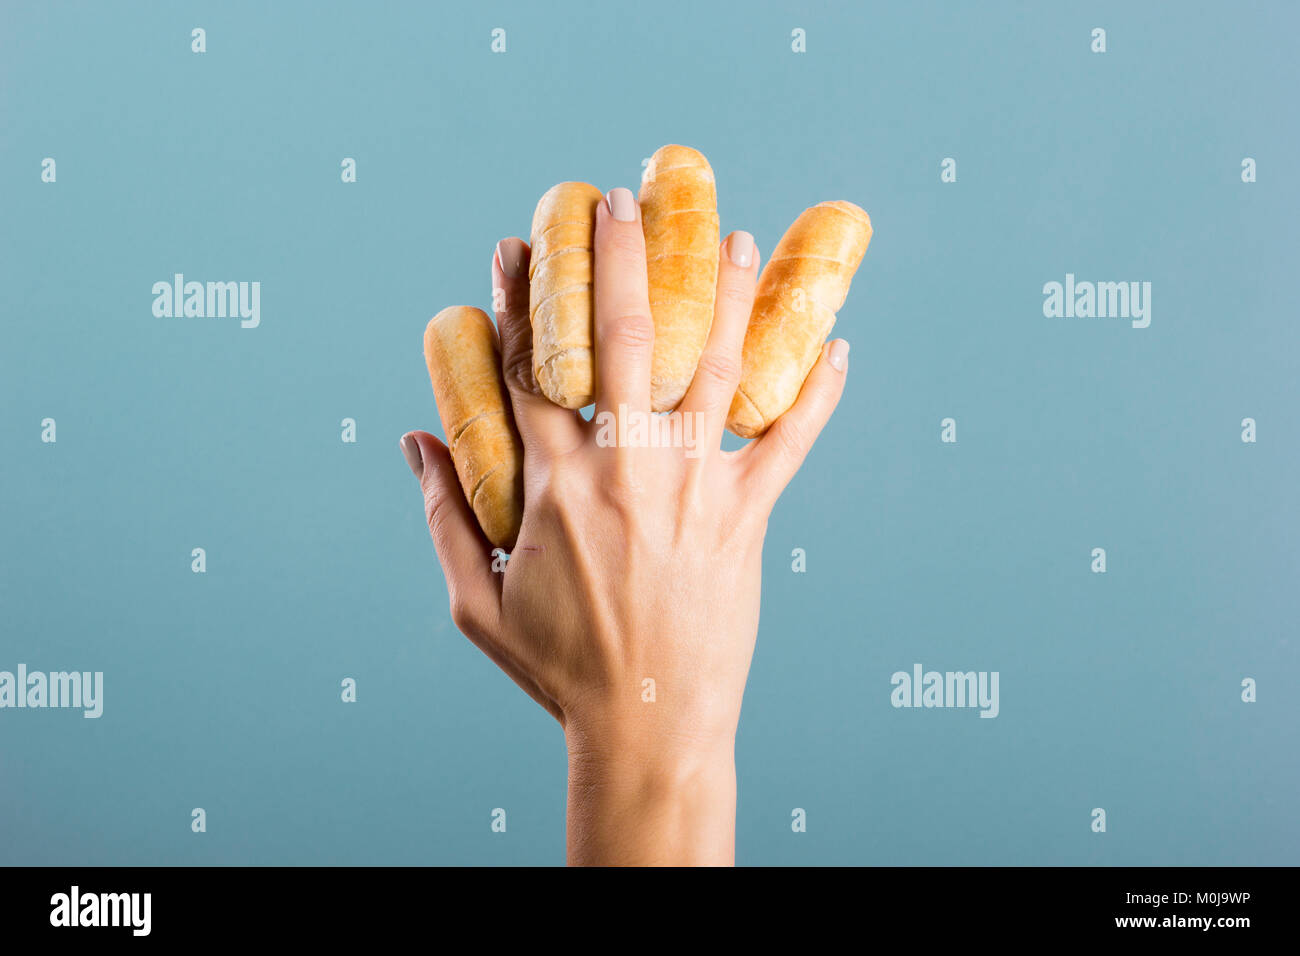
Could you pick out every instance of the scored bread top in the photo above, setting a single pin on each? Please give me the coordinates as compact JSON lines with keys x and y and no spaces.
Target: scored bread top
{"x":463,"y":357}
{"x":566,"y":202}
{"x":560,"y":303}
{"x":679,"y":210}
{"x":801,"y":287}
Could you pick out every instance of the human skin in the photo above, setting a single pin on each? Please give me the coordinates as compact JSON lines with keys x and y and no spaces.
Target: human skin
{"x":633,"y":563}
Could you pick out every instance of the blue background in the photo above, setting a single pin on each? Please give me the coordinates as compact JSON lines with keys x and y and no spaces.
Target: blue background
{"x":1119,"y":690}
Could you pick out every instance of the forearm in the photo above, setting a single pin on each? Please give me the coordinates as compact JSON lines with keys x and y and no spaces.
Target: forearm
{"x":639,"y":806}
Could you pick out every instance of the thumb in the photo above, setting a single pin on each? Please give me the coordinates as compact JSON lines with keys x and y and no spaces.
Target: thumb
{"x":464,"y":553}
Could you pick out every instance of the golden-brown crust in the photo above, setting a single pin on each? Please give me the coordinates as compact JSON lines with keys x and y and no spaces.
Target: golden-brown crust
{"x":560,"y":301}
{"x":800,"y":289}
{"x":464,"y":362}
{"x":679,"y":213}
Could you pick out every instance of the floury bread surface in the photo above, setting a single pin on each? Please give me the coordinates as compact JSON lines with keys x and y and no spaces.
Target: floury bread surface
{"x":560,"y":301}
{"x":464,"y":361}
{"x":799,"y":291}
{"x":679,"y":212}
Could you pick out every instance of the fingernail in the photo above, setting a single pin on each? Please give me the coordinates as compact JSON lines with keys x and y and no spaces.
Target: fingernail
{"x":621,"y":204}
{"x":510,"y":254}
{"x":411,"y":449}
{"x":839,"y":355}
{"x":740,"y":249}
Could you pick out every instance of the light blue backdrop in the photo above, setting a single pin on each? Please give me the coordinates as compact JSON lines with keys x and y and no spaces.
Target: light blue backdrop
{"x":1119,"y":691}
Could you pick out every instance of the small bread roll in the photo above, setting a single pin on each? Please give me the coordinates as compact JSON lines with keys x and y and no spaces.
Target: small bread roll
{"x":461,"y":350}
{"x":679,"y":212}
{"x":560,"y":302}
{"x":799,"y":291}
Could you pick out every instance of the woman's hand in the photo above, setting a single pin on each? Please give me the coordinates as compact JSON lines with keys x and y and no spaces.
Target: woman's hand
{"x":629,"y":606}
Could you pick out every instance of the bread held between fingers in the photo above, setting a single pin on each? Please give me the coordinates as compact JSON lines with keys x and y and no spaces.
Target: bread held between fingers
{"x":464,"y":362}
{"x":679,"y":212}
{"x":799,"y":291}
{"x":560,"y":301}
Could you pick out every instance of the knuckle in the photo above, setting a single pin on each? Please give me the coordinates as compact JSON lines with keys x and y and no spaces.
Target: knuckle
{"x":737,"y":295}
{"x":517,"y":369}
{"x":461,"y":614}
{"x":437,"y":511}
{"x":622,"y":488}
{"x":791,"y":438}
{"x":626,"y":243}
{"x":721,"y":367}
{"x":631,"y":330}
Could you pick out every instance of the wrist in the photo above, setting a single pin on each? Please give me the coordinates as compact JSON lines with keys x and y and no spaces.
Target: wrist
{"x":644,"y":798}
